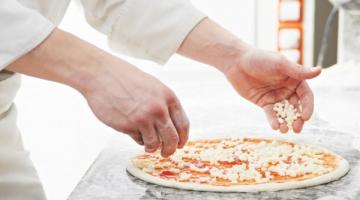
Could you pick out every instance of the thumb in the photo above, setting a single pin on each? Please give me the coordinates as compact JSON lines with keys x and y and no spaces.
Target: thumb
{"x":299,"y":72}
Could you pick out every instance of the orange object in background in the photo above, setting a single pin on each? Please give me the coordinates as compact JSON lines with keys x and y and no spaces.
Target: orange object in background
{"x":290,"y":30}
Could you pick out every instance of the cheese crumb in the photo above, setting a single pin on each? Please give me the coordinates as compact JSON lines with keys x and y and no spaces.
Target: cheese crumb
{"x":184,"y":176}
{"x":286,"y":113}
{"x":254,"y":161}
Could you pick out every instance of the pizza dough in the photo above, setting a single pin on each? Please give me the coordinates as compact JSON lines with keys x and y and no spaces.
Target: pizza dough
{"x":240,"y":165}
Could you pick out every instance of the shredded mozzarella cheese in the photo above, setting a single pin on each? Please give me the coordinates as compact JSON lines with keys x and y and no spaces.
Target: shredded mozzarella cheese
{"x":250,"y":161}
{"x":286,"y":113}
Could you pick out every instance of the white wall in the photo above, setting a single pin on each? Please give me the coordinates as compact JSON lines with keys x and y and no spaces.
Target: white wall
{"x":254,"y":21}
{"x":267,"y":24}
{"x":235,"y":15}
{"x":309,"y":33}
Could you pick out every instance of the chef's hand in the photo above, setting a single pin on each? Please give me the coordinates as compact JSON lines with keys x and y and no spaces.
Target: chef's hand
{"x":120,"y":95}
{"x":265,"y":78}
{"x":261,"y":77}
{"x":133,"y":102}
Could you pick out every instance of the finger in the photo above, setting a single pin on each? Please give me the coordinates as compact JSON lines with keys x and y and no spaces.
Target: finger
{"x":274,"y":96}
{"x":150,"y":138}
{"x":294,"y":100}
{"x":297,"y":71}
{"x":181,"y":123}
{"x":306,"y":98}
{"x":136,"y":136}
{"x":284,"y":128}
{"x":271,"y":116}
{"x":169,"y":137}
{"x":298,"y":125}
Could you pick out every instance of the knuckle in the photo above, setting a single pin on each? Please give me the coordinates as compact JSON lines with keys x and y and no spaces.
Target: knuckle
{"x":173,"y":138}
{"x":152,"y":144}
{"x":142,"y":119}
{"x":125,"y":127}
{"x":170,"y":96}
{"x":151,"y":141}
{"x":156,"y":109}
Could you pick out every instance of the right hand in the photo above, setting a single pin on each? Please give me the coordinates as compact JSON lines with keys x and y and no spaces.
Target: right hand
{"x":120,"y":95}
{"x":136,"y":103}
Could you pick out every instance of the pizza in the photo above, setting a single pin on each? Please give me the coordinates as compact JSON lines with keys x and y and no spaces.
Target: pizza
{"x":240,"y":165}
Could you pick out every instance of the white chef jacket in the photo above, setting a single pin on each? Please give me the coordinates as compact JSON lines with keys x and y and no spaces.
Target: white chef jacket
{"x":148,"y":29}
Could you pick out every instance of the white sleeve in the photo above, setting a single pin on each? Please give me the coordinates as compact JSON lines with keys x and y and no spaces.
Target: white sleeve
{"x":152,"y":30}
{"x":21,"y":30}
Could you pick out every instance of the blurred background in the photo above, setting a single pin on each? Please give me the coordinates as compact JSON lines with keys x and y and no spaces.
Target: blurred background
{"x":63,"y":135}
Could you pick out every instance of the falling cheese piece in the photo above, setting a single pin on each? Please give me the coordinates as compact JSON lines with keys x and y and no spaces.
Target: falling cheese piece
{"x":286,"y":113}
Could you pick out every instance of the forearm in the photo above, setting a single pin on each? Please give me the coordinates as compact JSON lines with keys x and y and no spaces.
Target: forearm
{"x":64,"y":58}
{"x":211,"y":44}
{"x":119,"y":94}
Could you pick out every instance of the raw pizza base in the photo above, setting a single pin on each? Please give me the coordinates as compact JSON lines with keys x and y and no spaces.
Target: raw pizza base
{"x":340,"y":171}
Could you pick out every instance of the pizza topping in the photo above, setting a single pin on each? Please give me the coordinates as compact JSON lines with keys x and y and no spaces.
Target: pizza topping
{"x":216,"y":173}
{"x":203,"y":179}
{"x":197,"y":169}
{"x":233,"y":177}
{"x":184,"y":176}
{"x":286,"y":113}
{"x":239,"y":161}
{"x":174,"y":170}
{"x":167,"y":173}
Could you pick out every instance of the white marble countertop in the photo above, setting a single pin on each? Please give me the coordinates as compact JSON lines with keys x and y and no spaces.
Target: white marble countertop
{"x":335,"y":125}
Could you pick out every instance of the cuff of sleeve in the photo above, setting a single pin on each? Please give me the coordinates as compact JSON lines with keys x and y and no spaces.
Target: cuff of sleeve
{"x":21,"y":46}
{"x":153,"y":31}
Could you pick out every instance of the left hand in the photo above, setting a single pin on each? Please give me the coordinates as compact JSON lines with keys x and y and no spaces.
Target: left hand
{"x":261,"y":77}
{"x":265,"y":78}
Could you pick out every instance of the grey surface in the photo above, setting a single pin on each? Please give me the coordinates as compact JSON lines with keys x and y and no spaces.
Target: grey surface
{"x":107,"y":178}
{"x":215,"y":109}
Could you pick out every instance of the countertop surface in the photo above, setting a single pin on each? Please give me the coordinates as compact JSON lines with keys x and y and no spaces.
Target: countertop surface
{"x":335,"y":125}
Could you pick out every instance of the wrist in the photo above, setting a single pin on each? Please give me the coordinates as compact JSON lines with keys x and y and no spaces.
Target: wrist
{"x":230,"y":55}
{"x":94,"y":74}
{"x":85,"y":74}
{"x":211,"y":44}
{"x":97,"y":74}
